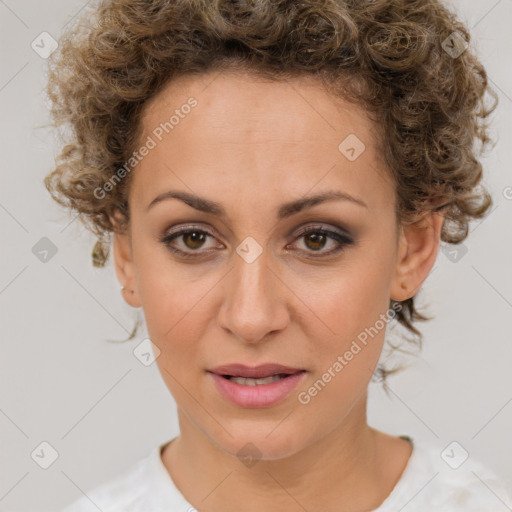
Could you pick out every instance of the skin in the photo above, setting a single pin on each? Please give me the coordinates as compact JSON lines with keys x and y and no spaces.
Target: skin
{"x":251,"y":145}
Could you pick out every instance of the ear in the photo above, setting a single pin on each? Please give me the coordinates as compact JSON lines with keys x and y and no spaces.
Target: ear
{"x":418,"y":247}
{"x":124,"y":264}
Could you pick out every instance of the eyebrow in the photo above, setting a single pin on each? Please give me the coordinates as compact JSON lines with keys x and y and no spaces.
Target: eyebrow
{"x":285,"y":210}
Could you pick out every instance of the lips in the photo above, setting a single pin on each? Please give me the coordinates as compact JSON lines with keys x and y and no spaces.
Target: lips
{"x":256,"y":386}
{"x":254,"y":372}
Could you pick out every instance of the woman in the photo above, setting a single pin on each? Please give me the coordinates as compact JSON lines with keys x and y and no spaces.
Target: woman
{"x":277,"y":177}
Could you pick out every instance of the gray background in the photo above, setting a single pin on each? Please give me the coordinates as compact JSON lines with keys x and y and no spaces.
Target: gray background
{"x":101,"y":409}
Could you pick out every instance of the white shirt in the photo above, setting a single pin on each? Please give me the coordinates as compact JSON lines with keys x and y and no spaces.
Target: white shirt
{"x":427,"y":484}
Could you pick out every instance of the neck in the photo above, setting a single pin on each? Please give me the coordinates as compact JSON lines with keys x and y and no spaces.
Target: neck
{"x":344,"y":470}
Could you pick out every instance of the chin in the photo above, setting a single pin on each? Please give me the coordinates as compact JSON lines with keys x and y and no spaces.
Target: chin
{"x":268,"y":441}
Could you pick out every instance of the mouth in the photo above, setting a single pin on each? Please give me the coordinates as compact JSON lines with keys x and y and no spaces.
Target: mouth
{"x":259,"y":386}
{"x":255,"y":375}
{"x":248,"y":381}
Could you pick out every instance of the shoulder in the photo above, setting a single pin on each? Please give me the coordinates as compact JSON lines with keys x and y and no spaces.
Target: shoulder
{"x":143,"y":486}
{"x":117,"y":493}
{"x":448,"y":479}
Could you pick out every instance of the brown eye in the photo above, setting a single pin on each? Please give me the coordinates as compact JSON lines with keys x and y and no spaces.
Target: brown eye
{"x":193,"y":239}
{"x":314,"y":239}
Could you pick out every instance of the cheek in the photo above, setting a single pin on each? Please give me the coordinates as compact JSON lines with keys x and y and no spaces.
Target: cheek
{"x":353,"y":303}
{"x":352,"y":299}
{"x":174,"y":299}
{"x":345,"y":361}
{"x":164,"y":296}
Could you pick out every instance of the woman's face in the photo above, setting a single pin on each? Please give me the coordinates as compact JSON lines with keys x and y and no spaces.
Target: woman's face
{"x":247,"y":286}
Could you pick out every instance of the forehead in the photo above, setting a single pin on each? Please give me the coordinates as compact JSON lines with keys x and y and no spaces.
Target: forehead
{"x":231,"y":100}
{"x":248,"y":133}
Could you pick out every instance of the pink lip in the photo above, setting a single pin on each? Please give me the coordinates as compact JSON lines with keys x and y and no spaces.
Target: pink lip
{"x":263,"y":395}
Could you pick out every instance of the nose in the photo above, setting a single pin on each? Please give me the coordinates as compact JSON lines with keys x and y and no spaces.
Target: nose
{"x":254,"y":304}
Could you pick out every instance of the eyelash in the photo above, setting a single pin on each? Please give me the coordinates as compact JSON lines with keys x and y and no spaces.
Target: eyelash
{"x":341,"y":239}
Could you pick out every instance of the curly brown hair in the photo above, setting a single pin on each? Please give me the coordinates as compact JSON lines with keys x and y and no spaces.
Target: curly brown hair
{"x":390,"y":56}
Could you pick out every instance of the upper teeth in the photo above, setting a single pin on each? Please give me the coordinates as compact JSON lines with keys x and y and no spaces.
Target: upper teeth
{"x":255,"y":382}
